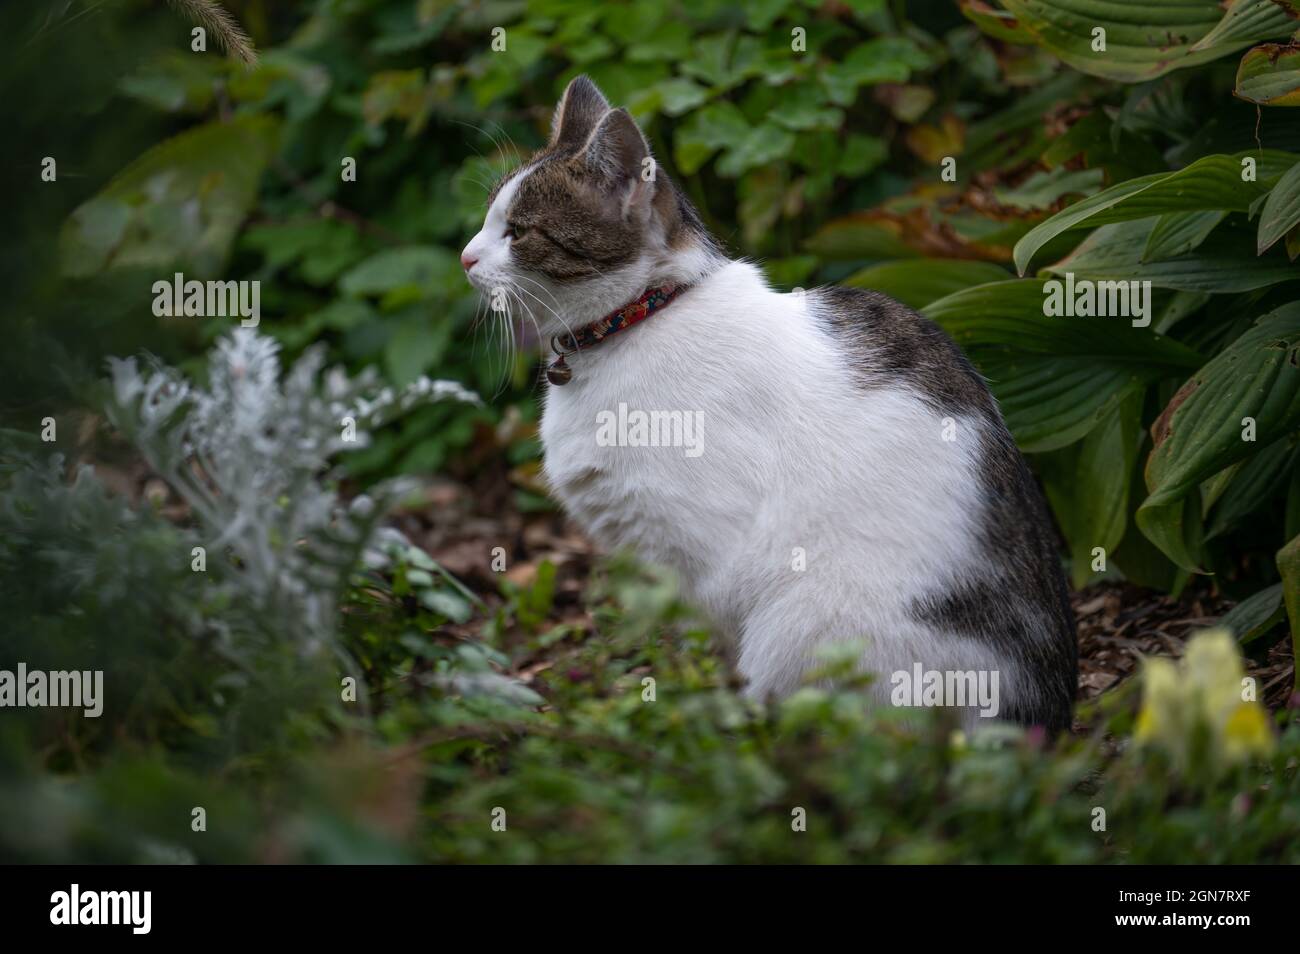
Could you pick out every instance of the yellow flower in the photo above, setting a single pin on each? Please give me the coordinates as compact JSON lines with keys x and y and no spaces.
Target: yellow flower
{"x":1161,"y":716}
{"x":1247,"y":732}
{"x":1203,"y":692}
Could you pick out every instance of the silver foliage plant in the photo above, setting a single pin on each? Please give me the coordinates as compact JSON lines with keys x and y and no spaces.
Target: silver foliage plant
{"x":252,"y":453}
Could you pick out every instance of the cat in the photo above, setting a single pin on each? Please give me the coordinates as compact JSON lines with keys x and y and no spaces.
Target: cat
{"x":854,"y":479}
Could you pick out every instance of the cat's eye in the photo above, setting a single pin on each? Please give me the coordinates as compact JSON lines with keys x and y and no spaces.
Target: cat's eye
{"x":516,"y":231}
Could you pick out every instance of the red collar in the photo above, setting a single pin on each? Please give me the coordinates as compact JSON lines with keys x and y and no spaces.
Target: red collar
{"x":585,"y":337}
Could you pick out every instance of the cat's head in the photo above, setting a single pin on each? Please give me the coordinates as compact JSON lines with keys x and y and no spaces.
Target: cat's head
{"x":586,"y":224}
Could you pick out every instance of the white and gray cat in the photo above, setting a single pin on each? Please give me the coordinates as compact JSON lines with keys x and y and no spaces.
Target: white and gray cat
{"x":854,"y":478}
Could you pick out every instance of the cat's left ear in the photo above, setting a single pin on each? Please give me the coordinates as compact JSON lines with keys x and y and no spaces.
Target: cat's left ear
{"x":619,"y":152}
{"x":579,"y":110}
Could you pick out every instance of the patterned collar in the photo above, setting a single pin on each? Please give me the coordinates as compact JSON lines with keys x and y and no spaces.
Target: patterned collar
{"x":566,"y":344}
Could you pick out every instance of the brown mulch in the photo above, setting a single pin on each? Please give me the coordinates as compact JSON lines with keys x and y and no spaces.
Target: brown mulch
{"x":1120,"y":623}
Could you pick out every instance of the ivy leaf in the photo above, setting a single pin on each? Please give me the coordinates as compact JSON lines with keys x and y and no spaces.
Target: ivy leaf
{"x":179,"y":204}
{"x":761,"y":145}
{"x":424,"y":269}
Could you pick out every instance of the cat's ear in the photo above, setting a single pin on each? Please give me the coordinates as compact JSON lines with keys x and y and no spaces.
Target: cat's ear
{"x":616,"y":147}
{"x":619,"y":152}
{"x":580,"y":108}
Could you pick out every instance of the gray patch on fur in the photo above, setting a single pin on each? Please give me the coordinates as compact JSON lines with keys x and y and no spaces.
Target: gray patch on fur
{"x":1018,"y":603}
{"x":569,"y":205}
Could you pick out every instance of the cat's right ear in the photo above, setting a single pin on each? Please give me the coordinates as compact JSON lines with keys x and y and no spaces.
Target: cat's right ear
{"x":581,"y":107}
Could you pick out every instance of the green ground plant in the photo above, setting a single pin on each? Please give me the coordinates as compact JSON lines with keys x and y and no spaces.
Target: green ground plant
{"x":346,"y":170}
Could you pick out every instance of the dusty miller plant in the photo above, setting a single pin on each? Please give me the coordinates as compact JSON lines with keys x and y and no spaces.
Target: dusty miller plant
{"x":252,"y":454}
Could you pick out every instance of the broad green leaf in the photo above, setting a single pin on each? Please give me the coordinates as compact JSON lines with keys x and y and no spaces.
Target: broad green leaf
{"x":1248,"y":21}
{"x":1281,"y":209}
{"x":1292,"y":515}
{"x":859,"y":236}
{"x":1255,"y":615}
{"x":1114,"y":253}
{"x":1050,"y":403}
{"x":1201,"y":431}
{"x":1270,"y":75}
{"x":1249,"y":482}
{"x":1177,"y":233}
{"x":179,"y":204}
{"x":917,"y":282}
{"x":1055,"y":378}
{"x":1142,"y":40}
{"x":1212,"y":183}
{"x":1177,"y":307}
{"x":1011,"y":314}
{"x":998,"y":24}
{"x":1102,"y":478}
{"x":1288,"y":564}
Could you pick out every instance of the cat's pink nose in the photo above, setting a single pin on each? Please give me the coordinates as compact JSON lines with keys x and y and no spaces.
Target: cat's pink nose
{"x":467,"y":261}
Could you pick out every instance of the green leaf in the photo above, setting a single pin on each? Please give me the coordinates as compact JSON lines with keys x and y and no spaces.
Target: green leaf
{"x":1177,"y":233}
{"x":1044,"y":189}
{"x":1201,"y":431}
{"x":1281,"y":209}
{"x":1247,"y":484}
{"x":418,"y":268}
{"x":1255,"y":615}
{"x":710,"y":61}
{"x":803,"y":106}
{"x":1211,"y":183}
{"x":918,"y":282}
{"x":859,"y":235}
{"x":761,"y":145}
{"x":680,"y":96}
{"x":1055,"y":378}
{"x":1221,"y":264}
{"x":415,"y":346}
{"x":448,"y":604}
{"x":1143,"y":40}
{"x":882,"y":59}
{"x":996,"y":23}
{"x":861,"y":154}
{"x":1288,"y":564}
{"x":1101,"y":484}
{"x":1247,"y":21}
{"x":705,"y":132}
{"x":1270,"y":75}
{"x":179,"y":204}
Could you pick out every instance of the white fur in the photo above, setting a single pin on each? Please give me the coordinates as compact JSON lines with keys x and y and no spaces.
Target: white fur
{"x":796,"y":454}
